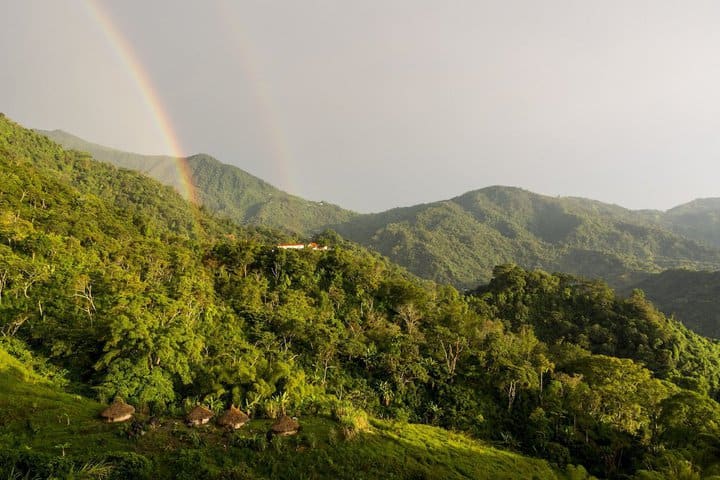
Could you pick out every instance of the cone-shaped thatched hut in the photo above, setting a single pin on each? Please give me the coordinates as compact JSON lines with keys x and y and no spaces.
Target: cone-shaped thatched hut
{"x":118,"y":411}
{"x":233,"y":418}
{"x":285,"y":426}
{"x":199,"y":416}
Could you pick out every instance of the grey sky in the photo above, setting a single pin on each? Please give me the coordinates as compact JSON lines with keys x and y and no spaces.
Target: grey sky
{"x":375,"y":104}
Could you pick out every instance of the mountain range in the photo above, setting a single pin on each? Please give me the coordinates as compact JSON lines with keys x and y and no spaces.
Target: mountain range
{"x":459,"y":241}
{"x":223,"y":189}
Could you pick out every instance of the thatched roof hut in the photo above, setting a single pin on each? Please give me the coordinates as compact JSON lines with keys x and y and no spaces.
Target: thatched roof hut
{"x":233,"y":417}
{"x":285,"y":426}
{"x":199,"y":416}
{"x":118,"y":411}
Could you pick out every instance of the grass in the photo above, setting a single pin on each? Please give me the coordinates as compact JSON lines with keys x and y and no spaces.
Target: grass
{"x":65,"y":432}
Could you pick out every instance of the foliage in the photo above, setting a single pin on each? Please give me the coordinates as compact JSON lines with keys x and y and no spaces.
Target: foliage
{"x":223,"y":189}
{"x":459,"y":241}
{"x":692,"y":297}
{"x":135,"y":293}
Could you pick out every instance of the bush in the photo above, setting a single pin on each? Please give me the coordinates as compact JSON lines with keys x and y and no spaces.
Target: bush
{"x":352,"y":421}
{"x":577,"y":472}
{"x":129,"y":465}
{"x":308,"y":440}
{"x":277,"y":443}
{"x":271,"y":408}
{"x":32,"y":464}
{"x":257,"y":443}
{"x":556,"y":453}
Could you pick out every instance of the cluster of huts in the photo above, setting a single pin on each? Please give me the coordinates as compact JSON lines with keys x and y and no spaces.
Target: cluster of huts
{"x":232,"y":418}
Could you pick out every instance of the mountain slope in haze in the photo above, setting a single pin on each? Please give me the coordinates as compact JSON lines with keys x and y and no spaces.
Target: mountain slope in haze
{"x":459,"y":240}
{"x":698,"y":220}
{"x":692,"y":297}
{"x":223,"y":189}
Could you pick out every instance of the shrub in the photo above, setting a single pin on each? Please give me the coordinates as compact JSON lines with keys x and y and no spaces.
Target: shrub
{"x":308,"y":440}
{"x":257,"y":443}
{"x":271,"y":408}
{"x":32,"y":464}
{"x":277,"y":443}
{"x":352,"y":421}
{"x":129,"y":465}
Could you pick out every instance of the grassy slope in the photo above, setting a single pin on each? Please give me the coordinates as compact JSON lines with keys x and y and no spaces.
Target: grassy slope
{"x":38,"y":417}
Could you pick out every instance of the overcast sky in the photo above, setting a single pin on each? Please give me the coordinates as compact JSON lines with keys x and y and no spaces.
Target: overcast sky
{"x":376,"y":104}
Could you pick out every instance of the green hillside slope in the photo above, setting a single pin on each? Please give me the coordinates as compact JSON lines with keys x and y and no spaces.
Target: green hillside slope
{"x":699,"y":220}
{"x":135,"y":293}
{"x":692,"y":297}
{"x":223,"y":189}
{"x":459,"y":240}
{"x":49,"y":433}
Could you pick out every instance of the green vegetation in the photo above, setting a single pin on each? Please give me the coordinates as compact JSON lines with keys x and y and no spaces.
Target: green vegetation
{"x":692,"y":297}
{"x":698,"y":220}
{"x":223,"y":189}
{"x":39,"y":421}
{"x":112,"y":285}
{"x":459,"y":241}
{"x":49,"y":433}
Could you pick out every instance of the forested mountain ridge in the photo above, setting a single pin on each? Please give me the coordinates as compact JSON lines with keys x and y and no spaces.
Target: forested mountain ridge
{"x":460,"y":240}
{"x":226,"y":190}
{"x":104,"y":285}
{"x":699,"y":220}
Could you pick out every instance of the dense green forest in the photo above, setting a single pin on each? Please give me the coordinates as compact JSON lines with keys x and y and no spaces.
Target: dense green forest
{"x":112,"y":286}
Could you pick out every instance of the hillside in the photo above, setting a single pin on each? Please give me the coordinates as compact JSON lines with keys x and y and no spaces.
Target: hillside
{"x":459,"y":240}
{"x":60,"y":434}
{"x":167,"y":314}
{"x":223,"y":189}
{"x":692,"y":297}
{"x":698,"y":220}
{"x":115,"y":284}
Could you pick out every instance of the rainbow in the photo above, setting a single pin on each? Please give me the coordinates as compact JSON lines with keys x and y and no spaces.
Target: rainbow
{"x":125,"y":52}
{"x":264,"y":108}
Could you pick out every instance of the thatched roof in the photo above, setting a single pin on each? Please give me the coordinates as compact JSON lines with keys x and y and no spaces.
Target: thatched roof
{"x":233,"y":416}
{"x":118,"y":409}
{"x":199,"y":413}
{"x":284,"y":424}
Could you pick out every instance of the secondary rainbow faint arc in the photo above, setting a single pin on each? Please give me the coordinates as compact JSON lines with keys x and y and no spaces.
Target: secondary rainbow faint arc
{"x":265,"y":110}
{"x":125,"y":51}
